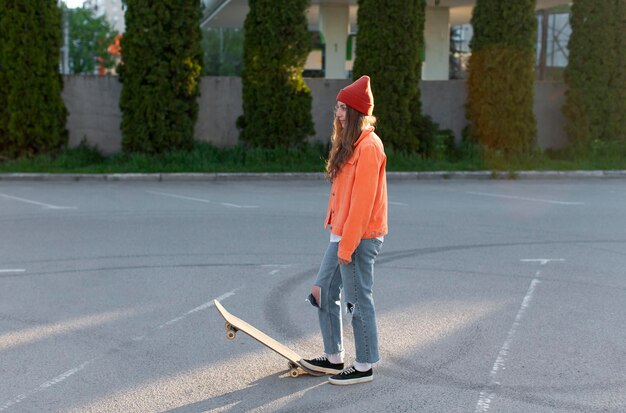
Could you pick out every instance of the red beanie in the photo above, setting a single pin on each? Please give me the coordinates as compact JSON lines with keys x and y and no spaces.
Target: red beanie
{"x":358,"y":96}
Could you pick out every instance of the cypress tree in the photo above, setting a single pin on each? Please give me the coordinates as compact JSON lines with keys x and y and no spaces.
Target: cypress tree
{"x":595,"y":104}
{"x":162,"y":62}
{"x":501,"y":75}
{"x":276,"y":101}
{"x":390,"y":37}
{"x":32,"y":112}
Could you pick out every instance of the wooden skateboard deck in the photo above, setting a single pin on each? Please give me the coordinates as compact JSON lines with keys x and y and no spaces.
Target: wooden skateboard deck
{"x":234,"y":324}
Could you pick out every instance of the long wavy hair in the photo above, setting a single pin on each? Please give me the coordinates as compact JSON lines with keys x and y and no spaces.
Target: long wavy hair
{"x":342,"y":140}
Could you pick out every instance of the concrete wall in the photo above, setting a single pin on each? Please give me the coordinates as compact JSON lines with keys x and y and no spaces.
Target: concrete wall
{"x":220,"y":105}
{"x":549,"y":99}
{"x":94,"y":112}
{"x":444,"y":101}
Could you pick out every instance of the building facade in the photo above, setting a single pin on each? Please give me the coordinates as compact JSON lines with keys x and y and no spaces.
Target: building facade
{"x":113,"y":10}
{"x":336,"y":20}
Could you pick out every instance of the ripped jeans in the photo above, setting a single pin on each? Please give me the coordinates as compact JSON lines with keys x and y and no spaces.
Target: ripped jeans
{"x":356,"y":280}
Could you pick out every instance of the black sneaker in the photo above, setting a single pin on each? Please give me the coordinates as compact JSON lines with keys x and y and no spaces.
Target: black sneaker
{"x":352,"y":376}
{"x":322,"y":365}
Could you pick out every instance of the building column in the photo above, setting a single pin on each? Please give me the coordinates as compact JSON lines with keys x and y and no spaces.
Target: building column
{"x":335,"y":25}
{"x":437,"y":38}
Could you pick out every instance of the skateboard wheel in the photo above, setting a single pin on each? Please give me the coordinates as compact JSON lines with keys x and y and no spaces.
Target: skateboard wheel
{"x":291,"y":365}
{"x":231,"y":334}
{"x":228,"y":326}
{"x":294,"y":372}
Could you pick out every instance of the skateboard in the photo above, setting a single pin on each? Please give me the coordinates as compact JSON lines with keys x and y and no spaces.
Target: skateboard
{"x":235,"y":324}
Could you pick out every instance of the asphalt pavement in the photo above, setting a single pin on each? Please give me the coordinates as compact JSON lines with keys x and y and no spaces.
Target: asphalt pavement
{"x":492,"y":295}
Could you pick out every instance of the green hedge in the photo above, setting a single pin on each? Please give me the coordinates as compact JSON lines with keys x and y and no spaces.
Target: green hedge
{"x":595,"y":105}
{"x":276,"y":101}
{"x":501,"y":75}
{"x":162,"y":63}
{"x":390,"y":37}
{"x":32,"y":113}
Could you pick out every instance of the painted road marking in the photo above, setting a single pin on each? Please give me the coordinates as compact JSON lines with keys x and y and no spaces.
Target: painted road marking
{"x":28,"y":201}
{"x":204,"y":306}
{"x":489,"y":392}
{"x":206,"y":201}
{"x":542,"y":261}
{"x":11,"y":270}
{"x":548,"y":201}
{"x":280,"y":267}
{"x":58,"y":379}
{"x":69,"y":373}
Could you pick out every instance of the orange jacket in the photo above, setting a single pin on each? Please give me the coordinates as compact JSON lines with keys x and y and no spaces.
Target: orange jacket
{"x":357,"y":206}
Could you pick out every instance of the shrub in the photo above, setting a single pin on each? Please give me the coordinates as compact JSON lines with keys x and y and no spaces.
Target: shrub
{"x":595,"y":103}
{"x":389,"y":40}
{"x":501,"y":76}
{"x":276,"y":101}
{"x":32,"y":113}
{"x":162,"y":62}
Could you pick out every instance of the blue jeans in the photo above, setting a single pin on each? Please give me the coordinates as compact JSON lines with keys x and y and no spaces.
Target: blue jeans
{"x":356,"y":280}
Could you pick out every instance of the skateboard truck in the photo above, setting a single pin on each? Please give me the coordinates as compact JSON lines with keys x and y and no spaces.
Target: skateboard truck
{"x":231,"y":331}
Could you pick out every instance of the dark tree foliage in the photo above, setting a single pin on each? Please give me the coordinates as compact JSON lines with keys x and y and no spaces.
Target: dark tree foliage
{"x":32,"y":112}
{"x":595,"y":104}
{"x":162,"y":63}
{"x":390,"y":37}
{"x":276,"y":101}
{"x":501,"y":75}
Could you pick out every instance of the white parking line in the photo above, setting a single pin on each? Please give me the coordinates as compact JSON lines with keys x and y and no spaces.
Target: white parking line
{"x":28,"y":201}
{"x":206,"y":201}
{"x":12,"y":270}
{"x":548,"y":201}
{"x":487,"y":395}
{"x":206,"y":305}
{"x":58,"y":379}
{"x":280,"y":267}
{"x":542,"y":261}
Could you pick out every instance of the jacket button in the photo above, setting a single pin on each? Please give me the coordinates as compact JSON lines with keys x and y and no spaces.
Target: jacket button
{"x":372,"y":233}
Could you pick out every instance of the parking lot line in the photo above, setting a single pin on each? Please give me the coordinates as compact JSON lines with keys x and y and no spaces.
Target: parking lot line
{"x":487,"y":395}
{"x":29,"y":201}
{"x":206,"y":201}
{"x":520,"y":198}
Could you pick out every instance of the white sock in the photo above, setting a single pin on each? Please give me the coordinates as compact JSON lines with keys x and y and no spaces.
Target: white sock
{"x":335,"y":358}
{"x":362,"y":366}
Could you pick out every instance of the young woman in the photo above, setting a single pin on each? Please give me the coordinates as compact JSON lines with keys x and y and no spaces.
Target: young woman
{"x":357,"y":220}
